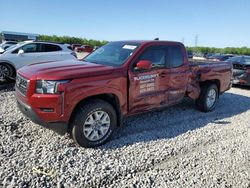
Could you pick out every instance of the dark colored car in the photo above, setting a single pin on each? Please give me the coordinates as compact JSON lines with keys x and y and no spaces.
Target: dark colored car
{"x":207,"y":55}
{"x":241,"y":69}
{"x":190,"y":54}
{"x":220,"y":57}
{"x":90,"y":98}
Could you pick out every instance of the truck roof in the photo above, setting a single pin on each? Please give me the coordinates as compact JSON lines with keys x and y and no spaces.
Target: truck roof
{"x":149,"y":41}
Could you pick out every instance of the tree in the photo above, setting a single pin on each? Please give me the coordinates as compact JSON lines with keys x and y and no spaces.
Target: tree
{"x":72,"y":40}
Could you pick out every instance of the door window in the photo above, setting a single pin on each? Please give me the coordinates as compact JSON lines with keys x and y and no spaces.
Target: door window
{"x":155,"y":54}
{"x":174,"y":56}
{"x":30,"y":48}
{"x":50,"y":48}
{"x":163,"y":56}
{"x":235,"y":59}
{"x":246,"y":59}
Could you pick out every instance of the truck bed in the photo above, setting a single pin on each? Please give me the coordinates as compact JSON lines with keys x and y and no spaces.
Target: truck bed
{"x":202,"y":62}
{"x":202,"y":70}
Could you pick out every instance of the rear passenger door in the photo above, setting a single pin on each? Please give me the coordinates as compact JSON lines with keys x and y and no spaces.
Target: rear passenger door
{"x":179,"y":74}
{"x":51,"y":52}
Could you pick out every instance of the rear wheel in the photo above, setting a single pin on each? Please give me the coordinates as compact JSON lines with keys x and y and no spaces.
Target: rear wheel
{"x":208,"y":98}
{"x":94,"y":123}
{"x":6,"y":71}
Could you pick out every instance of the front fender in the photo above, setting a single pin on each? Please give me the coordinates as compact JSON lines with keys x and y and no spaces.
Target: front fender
{"x":74,"y":96}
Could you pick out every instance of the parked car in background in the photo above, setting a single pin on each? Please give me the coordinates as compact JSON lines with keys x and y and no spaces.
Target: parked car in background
{"x":29,"y":52}
{"x":207,"y":55}
{"x":6,"y":44}
{"x":219,"y":57}
{"x":90,"y":98}
{"x":75,"y":45}
{"x":241,"y":69}
{"x":84,"y":48}
{"x":190,"y":54}
{"x":199,"y":56}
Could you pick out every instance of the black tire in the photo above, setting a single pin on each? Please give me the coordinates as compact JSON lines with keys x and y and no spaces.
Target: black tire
{"x":80,"y":117}
{"x":6,"y":72}
{"x":201,"y":102}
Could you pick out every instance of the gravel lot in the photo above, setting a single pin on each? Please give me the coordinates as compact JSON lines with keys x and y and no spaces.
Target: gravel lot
{"x":177,"y":147}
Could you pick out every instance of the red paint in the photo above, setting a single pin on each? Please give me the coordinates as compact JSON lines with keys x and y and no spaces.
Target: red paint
{"x":162,"y":87}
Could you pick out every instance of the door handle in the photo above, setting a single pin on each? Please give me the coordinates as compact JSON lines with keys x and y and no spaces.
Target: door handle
{"x":163,"y":75}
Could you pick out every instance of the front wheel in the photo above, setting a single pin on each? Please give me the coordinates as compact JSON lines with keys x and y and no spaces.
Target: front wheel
{"x":6,"y":71}
{"x":208,"y":98}
{"x":94,"y":123}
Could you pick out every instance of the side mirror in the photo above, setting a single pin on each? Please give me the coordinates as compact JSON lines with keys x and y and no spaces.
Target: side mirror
{"x":20,"y":52}
{"x":144,"y":64}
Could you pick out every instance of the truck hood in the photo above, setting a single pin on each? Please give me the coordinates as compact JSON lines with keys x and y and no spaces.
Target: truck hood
{"x":62,"y":70}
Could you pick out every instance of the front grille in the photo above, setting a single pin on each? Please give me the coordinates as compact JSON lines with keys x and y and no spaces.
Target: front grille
{"x":22,"y":84}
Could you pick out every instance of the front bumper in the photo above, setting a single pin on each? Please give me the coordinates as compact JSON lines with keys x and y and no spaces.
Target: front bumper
{"x":59,"y":127}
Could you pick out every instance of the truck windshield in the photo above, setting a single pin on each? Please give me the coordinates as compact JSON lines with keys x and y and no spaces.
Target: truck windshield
{"x":113,"y":53}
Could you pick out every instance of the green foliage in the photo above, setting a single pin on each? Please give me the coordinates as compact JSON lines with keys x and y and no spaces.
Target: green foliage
{"x":91,"y":42}
{"x":72,"y":40}
{"x":228,"y":50}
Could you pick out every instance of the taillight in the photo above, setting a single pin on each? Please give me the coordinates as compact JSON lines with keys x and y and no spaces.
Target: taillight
{"x":248,"y":71}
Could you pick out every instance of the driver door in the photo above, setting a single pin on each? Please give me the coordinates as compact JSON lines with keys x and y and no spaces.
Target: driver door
{"x":148,"y":88}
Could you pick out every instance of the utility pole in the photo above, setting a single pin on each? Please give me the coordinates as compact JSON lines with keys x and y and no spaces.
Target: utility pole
{"x":196,"y":40}
{"x":183,"y":40}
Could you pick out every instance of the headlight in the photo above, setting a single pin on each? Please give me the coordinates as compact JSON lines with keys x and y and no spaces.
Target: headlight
{"x":48,"y":87}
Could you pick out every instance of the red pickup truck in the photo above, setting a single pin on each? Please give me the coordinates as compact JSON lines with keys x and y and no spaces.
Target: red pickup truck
{"x":84,"y":48}
{"x":90,"y":98}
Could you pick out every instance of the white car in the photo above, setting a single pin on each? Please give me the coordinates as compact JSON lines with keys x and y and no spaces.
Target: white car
{"x":30,"y":52}
{"x":6,"y":44}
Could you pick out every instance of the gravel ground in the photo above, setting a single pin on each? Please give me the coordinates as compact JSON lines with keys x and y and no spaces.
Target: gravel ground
{"x":177,"y":147}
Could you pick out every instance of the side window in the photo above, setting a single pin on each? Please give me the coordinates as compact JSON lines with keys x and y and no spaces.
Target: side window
{"x":69,"y":47}
{"x":247,"y":59}
{"x":155,"y":54}
{"x":11,"y":43}
{"x":30,"y":48}
{"x":50,"y":48}
{"x":174,"y":57}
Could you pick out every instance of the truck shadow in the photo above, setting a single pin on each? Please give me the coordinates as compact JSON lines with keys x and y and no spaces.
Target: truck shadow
{"x":177,"y":120}
{"x":9,"y":86}
{"x":242,"y":87}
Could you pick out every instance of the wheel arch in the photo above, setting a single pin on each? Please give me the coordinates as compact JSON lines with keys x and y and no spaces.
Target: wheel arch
{"x":108,"y":97}
{"x":11,"y":65}
{"x":215,"y":81}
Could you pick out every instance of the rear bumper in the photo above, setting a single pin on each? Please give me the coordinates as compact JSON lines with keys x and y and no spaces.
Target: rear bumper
{"x":59,"y":127}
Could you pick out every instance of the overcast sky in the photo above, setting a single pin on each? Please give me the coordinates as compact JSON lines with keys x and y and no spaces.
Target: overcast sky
{"x":217,"y":23}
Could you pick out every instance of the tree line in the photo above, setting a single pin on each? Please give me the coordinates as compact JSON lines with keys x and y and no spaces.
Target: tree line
{"x":227,"y":50}
{"x":91,"y":42}
{"x":72,"y":40}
